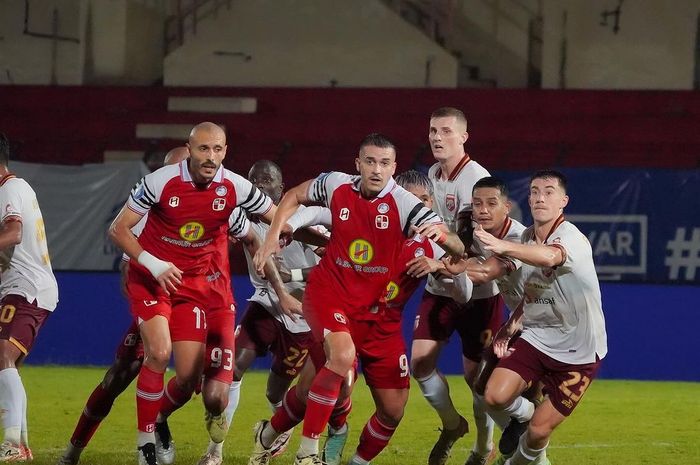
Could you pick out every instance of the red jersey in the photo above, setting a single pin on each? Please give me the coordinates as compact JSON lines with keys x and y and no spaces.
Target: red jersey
{"x":402,"y":286}
{"x":185,"y":218}
{"x":367,"y":236}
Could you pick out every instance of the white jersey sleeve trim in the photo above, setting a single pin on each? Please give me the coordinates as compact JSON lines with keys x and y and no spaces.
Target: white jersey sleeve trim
{"x":322,"y":188}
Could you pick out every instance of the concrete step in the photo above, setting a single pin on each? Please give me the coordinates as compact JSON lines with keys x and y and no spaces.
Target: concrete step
{"x":164,"y":131}
{"x":122,"y":155}
{"x":213,"y":104}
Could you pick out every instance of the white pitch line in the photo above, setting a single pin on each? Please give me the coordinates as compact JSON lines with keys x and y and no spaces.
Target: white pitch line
{"x":604,"y":445}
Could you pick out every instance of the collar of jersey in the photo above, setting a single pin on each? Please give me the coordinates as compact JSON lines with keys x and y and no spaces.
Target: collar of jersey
{"x":187,"y":177}
{"x":388,"y":188}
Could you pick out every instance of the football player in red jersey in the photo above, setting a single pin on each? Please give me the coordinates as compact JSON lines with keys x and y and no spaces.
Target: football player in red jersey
{"x":188,"y":206}
{"x":372,"y":217}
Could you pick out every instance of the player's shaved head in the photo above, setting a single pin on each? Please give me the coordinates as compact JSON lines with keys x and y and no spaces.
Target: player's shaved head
{"x":265,"y":165}
{"x":176,"y":155}
{"x":207,"y":127}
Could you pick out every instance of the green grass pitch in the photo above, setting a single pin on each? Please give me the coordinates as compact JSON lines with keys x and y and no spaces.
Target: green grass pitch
{"x":618,"y":422}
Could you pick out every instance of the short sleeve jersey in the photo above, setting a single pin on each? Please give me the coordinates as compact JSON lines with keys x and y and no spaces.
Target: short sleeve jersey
{"x":185,"y":218}
{"x":29,"y":274}
{"x":510,"y":289}
{"x":563,"y":314}
{"x":451,"y":196}
{"x":294,"y":255}
{"x":367,"y":236}
{"x":402,"y":286}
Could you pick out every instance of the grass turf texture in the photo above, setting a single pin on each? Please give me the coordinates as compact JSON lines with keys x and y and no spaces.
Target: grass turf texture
{"x":618,"y":422}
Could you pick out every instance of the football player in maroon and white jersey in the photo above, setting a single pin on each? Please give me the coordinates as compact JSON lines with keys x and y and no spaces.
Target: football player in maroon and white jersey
{"x":439,"y":315}
{"x":189,"y":205}
{"x":372,"y":217}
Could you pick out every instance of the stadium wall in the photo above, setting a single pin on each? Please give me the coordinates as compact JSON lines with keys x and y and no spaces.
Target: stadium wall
{"x":651,"y":329}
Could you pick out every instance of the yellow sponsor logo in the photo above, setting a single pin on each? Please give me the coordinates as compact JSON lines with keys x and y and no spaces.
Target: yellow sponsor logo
{"x":191,"y":231}
{"x":361,"y":251}
{"x":392,"y":290}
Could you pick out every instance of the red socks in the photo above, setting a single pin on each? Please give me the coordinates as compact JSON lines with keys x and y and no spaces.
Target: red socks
{"x":174,"y":398}
{"x":323,"y":395}
{"x":374,"y":438}
{"x":97,"y":407}
{"x":149,"y":393}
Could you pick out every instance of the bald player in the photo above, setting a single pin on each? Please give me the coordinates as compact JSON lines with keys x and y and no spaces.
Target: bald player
{"x":127,"y":362}
{"x":190,"y":205}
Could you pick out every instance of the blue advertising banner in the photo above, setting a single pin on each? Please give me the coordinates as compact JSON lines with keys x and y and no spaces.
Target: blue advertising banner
{"x":643,"y":225}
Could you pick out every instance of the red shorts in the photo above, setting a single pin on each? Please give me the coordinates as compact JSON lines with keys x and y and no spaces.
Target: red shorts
{"x":476,"y":321}
{"x":220,"y":350}
{"x":263,"y":333}
{"x":564,"y":383}
{"x":20,"y":321}
{"x":131,"y":346}
{"x":184,"y":309}
{"x":381,"y":351}
{"x":324,"y":313}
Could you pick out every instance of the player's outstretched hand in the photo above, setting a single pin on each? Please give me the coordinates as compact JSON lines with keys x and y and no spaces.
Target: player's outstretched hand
{"x":421,"y":266}
{"x":268,"y":248}
{"x":170,"y":279}
{"x":435,"y":231}
{"x":286,"y":235}
{"x":490,"y":241}
{"x":454,"y":265}
{"x":290,"y":305}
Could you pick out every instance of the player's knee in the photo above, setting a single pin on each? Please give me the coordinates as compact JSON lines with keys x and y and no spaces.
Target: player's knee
{"x":538,"y":434}
{"x":215,"y":403}
{"x":391,"y":415}
{"x":496,"y":399}
{"x":421,"y":367}
{"x":342,"y":360}
{"x":159,"y":357}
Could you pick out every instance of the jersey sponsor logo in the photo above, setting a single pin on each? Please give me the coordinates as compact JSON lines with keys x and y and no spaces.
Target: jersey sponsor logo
{"x":420,"y":251}
{"x":361,"y":251}
{"x":191,"y":231}
{"x":218,"y":204}
{"x":383,"y":207}
{"x":381,"y":221}
{"x":340,"y":318}
{"x":221,"y":191}
{"x":392,"y":290}
{"x":451,"y":202}
{"x":174,"y":201}
{"x":150,"y":303}
{"x":344,"y":214}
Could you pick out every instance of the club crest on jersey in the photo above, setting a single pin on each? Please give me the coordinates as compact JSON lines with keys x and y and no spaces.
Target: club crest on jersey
{"x":340,"y":318}
{"x":381,"y":222}
{"x":451,"y":202}
{"x":191,"y":231}
{"x":344,"y":214}
{"x":174,"y":201}
{"x":221,"y":191}
{"x":392,"y":290}
{"x":420,"y":251}
{"x":219,"y":203}
{"x":361,"y":251}
{"x":383,"y":207}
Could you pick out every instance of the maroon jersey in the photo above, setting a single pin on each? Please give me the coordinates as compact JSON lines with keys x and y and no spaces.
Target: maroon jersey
{"x":185,"y":218}
{"x":402,"y":286}
{"x":368,"y":234}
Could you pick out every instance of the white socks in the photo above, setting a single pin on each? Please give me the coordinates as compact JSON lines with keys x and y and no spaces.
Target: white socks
{"x":524,"y":455}
{"x":484,"y":426}
{"x":521,"y":409}
{"x":12,"y":404}
{"x":144,"y":438}
{"x":437,"y":393}
{"x":357,"y":460}
{"x":307,"y":447}
{"x":234,"y":396}
{"x":501,"y":418}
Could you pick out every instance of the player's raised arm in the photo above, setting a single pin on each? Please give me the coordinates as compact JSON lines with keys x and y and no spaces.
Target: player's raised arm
{"x":532,"y":254}
{"x":439,"y":233}
{"x":289,"y":204}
